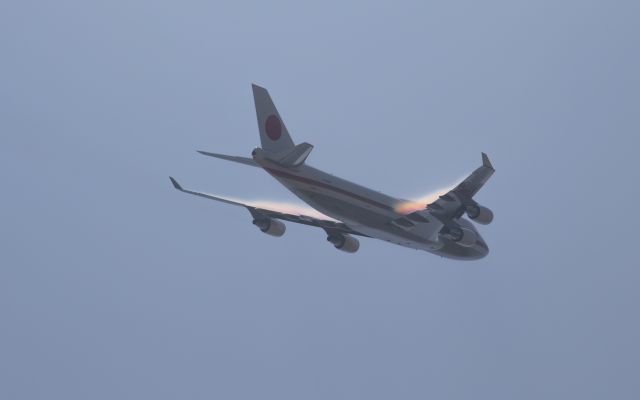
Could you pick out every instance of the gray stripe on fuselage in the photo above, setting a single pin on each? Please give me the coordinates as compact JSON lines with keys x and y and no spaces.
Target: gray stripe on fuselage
{"x":343,"y":210}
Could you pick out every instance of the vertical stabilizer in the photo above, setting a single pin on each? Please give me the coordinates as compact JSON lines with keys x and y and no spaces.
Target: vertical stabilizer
{"x":274,"y":136}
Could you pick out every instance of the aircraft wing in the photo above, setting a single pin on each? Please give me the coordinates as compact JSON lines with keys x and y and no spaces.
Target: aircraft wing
{"x":454,"y":203}
{"x":260,"y":212}
{"x":474,"y":182}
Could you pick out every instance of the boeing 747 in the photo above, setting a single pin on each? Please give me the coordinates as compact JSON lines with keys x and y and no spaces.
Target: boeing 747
{"x":444,"y":227}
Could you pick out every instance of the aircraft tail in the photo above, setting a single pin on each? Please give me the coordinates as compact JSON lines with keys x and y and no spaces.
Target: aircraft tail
{"x":274,"y":136}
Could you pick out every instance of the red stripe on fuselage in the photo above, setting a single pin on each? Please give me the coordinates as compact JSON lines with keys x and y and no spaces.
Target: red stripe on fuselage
{"x":302,"y":179}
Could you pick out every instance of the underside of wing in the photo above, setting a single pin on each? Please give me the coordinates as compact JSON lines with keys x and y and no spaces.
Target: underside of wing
{"x":458,"y":201}
{"x":262,"y":211}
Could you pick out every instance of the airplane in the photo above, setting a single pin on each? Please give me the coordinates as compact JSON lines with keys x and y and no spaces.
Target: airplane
{"x":348,"y":210}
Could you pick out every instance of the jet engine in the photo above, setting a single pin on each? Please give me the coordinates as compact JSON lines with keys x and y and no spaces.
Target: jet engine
{"x":463,"y":236}
{"x":270,"y":226}
{"x":344,"y":242}
{"x":480,"y":214}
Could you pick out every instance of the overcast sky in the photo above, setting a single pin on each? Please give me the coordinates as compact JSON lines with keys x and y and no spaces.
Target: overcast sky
{"x":115,"y":286}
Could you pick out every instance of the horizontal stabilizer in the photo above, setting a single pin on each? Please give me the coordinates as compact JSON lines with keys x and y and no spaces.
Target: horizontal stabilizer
{"x":297,"y":156}
{"x":238,"y":159}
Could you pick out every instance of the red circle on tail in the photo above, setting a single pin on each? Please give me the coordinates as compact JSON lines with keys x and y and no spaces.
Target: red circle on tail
{"x":273,"y":127}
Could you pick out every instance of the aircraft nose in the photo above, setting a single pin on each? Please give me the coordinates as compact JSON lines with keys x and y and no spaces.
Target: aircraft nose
{"x":482,"y":248}
{"x":455,"y":251}
{"x":483,"y":253}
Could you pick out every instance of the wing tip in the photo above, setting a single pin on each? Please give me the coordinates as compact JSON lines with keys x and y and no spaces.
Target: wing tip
{"x":485,"y":161}
{"x":175,"y":184}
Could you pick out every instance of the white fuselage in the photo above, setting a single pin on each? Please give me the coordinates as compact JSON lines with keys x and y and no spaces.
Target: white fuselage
{"x":366,"y":211}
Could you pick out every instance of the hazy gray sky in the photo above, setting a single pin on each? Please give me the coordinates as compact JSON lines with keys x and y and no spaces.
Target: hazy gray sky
{"x":114,"y":285}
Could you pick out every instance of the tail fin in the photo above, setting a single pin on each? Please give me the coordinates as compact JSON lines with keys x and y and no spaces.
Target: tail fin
{"x":274,"y":136}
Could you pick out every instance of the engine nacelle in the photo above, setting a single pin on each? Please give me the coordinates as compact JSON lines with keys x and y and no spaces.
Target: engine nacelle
{"x":463,"y":236}
{"x":480,"y":214}
{"x":344,"y":242}
{"x":270,"y":226}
